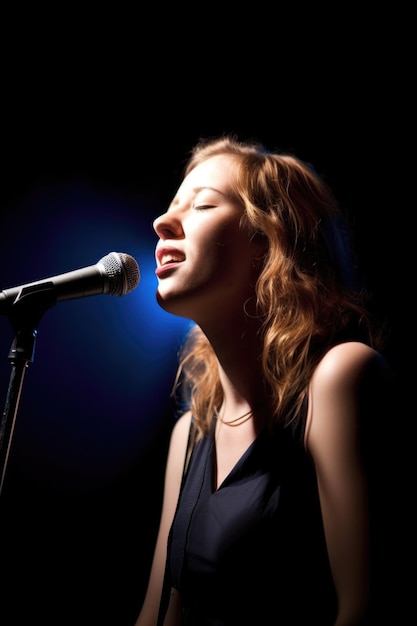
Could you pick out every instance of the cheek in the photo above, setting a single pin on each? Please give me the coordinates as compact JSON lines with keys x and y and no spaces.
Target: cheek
{"x":221,"y":251}
{"x":227,"y":237}
{"x":219,"y":246}
{"x":231,"y":259}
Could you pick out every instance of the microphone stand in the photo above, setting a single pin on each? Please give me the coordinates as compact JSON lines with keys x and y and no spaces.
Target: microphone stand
{"x":24,"y":315}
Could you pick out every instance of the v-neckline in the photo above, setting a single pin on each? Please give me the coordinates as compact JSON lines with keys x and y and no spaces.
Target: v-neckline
{"x":233,"y":469}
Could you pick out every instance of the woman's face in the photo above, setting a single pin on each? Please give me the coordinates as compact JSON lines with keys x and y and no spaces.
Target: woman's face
{"x":204,"y":257}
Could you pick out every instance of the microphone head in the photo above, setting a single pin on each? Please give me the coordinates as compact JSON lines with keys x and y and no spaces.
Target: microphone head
{"x":122,"y":272}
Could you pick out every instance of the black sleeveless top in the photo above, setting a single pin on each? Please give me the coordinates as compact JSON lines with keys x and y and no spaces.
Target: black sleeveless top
{"x":253,"y":551}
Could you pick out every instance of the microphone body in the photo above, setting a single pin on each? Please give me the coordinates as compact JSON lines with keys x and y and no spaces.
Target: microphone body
{"x":116,"y":274}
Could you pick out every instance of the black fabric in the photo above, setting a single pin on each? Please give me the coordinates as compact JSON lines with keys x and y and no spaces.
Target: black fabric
{"x":252,"y":551}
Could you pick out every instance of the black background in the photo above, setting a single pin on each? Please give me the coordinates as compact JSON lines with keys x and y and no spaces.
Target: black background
{"x":98,"y":114}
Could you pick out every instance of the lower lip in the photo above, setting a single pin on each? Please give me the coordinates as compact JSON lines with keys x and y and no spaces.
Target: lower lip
{"x":165,"y":268}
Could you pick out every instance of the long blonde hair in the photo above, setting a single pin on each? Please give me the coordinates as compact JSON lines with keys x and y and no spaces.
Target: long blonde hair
{"x":307,"y":295}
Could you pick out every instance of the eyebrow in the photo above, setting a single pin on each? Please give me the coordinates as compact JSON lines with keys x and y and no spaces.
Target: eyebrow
{"x":197,"y":190}
{"x":228,"y":196}
{"x":204,"y":187}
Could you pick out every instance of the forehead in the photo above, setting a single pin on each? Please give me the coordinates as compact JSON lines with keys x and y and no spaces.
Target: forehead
{"x":216,"y":172}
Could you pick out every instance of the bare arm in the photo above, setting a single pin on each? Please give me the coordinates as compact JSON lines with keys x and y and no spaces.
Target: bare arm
{"x":175,"y":462}
{"x":346,"y":389}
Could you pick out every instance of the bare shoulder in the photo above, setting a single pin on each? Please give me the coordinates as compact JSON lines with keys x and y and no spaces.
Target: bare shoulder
{"x":179,"y":436}
{"x":182,"y":426}
{"x":352,"y":383}
{"x":176,"y":454}
{"x":351,"y":363}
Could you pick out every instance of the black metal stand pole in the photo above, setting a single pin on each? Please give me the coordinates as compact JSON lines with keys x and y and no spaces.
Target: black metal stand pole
{"x":21,"y":354}
{"x":24,"y":315}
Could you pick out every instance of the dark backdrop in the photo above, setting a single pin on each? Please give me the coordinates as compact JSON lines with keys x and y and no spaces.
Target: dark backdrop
{"x":98,"y":117}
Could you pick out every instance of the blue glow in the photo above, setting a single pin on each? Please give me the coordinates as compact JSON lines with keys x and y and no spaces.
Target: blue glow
{"x":103,"y":370}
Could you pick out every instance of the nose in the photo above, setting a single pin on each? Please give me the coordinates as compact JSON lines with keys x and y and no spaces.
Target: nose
{"x":168,"y":226}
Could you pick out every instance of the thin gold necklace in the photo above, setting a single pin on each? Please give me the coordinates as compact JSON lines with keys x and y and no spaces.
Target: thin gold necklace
{"x":237,"y":421}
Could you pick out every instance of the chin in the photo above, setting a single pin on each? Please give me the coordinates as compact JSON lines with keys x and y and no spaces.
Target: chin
{"x":170,"y":303}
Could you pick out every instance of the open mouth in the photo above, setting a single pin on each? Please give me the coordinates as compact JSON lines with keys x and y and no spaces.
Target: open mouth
{"x":170,"y":258}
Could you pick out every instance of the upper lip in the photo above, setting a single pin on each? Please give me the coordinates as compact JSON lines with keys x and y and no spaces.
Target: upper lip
{"x":168,"y":254}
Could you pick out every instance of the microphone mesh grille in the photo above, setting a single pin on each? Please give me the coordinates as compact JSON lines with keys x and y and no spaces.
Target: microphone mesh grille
{"x":122,"y":271}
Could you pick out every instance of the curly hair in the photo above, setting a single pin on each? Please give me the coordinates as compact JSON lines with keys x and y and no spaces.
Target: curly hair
{"x":308,"y":295}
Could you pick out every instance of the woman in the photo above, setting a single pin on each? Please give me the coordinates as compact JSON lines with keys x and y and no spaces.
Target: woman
{"x":282,"y":379}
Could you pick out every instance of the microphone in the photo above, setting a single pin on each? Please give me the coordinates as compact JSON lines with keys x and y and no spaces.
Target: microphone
{"x":116,"y":274}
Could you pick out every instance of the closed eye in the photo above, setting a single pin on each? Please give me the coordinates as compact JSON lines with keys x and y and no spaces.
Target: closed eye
{"x":203,"y":207}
